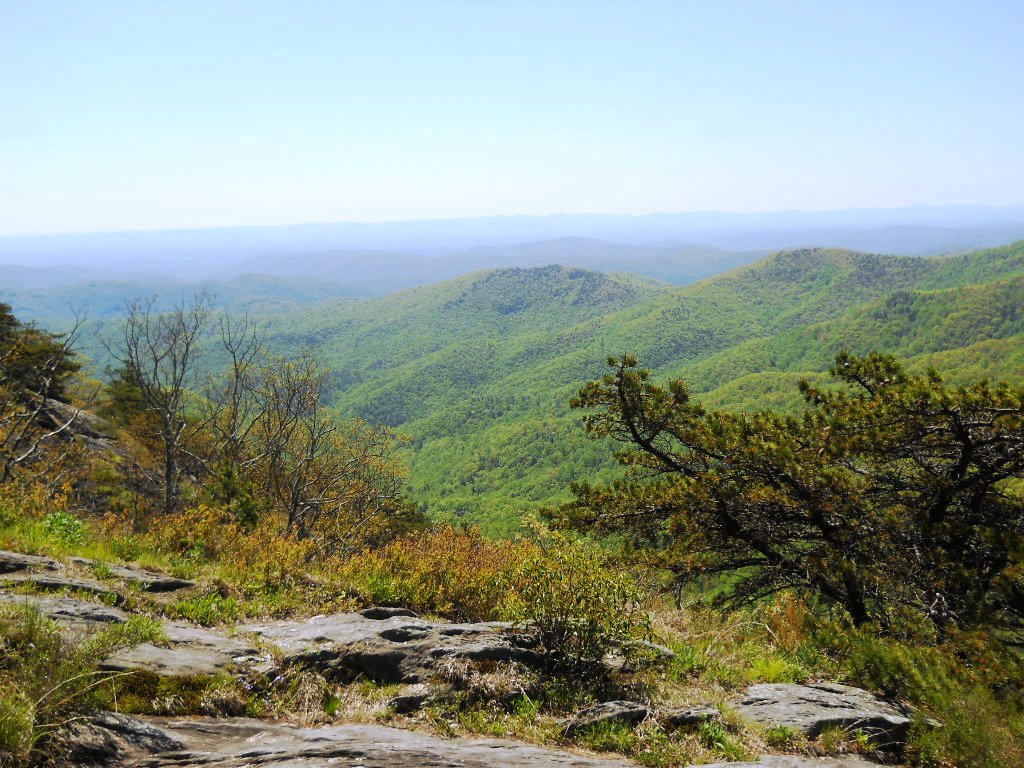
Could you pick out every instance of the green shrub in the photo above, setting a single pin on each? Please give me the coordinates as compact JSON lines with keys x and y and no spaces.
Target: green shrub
{"x":954,"y":682}
{"x":207,"y":610}
{"x":64,"y":527}
{"x":579,"y":605}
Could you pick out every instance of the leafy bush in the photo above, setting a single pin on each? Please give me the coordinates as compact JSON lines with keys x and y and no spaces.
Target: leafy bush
{"x":567,"y":590}
{"x":64,"y":527}
{"x":578,"y":603}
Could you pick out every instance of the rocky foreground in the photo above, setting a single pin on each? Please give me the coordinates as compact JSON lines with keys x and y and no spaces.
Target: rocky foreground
{"x":385,"y":645}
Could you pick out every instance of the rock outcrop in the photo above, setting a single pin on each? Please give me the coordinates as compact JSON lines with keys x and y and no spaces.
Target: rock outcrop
{"x":51,"y":575}
{"x":12,"y":562}
{"x":386,"y":645}
{"x":147,"y":581}
{"x":813,"y":708}
{"x":80,"y":614}
{"x":391,"y":646}
{"x":240,"y":743}
{"x":188,"y":650}
{"x":631,"y":712}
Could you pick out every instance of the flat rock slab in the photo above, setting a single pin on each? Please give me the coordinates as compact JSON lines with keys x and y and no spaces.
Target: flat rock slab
{"x":10,"y":562}
{"x":148,"y":581}
{"x":687,"y":716}
{"x":66,"y":610}
{"x":631,"y":712}
{"x":793,"y":761}
{"x":392,"y":649}
{"x":813,"y":708}
{"x":238,"y":743}
{"x":57,"y":582}
{"x":190,"y":650}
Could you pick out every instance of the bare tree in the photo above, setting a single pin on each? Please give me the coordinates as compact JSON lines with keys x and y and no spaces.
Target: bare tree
{"x":231,"y":407}
{"x":159,"y":350}
{"x":231,"y":413}
{"x":331,"y":481}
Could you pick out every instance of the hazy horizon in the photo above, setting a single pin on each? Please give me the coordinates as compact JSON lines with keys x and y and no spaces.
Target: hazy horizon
{"x":124,"y":116}
{"x":1015,"y":210}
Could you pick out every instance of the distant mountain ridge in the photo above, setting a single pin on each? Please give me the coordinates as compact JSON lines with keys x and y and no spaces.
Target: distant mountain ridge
{"x":217,"y":253}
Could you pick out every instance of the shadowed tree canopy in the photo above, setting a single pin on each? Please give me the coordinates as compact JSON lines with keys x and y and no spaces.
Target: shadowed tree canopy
{"x":35,"y":363}
{"x":35,"y":368}
{"x":892,"y":496}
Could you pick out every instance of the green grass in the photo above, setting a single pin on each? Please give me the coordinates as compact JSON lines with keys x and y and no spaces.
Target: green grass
{"x":47,"y":677}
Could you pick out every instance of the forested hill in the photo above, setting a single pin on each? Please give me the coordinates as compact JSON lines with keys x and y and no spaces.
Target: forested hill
{"x":403,"y":356}
{"x":479,"y":370}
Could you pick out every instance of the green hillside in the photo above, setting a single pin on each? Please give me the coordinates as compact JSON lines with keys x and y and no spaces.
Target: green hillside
{"x":479,"y":370}
{"x":399,"y":357}
{"x":908,"y":323}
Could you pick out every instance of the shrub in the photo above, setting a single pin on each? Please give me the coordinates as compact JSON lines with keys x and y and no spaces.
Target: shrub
{"x":64,"y":527}
{"x":455,"y":573}
{"x":578,"y":603}
{"x":955,"y":682}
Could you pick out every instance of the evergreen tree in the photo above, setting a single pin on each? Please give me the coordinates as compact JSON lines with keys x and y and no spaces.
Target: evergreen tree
{"x":892,"y":496}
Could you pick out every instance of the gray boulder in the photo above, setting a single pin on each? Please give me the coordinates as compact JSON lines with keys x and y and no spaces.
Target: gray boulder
{"x":397,"y":648}
{"x":813,"y":708}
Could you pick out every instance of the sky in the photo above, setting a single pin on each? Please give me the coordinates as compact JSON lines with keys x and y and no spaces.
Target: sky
{"x":151,"y":115}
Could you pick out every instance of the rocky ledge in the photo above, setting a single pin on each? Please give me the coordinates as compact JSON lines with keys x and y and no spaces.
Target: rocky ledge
{"x":386,"y":645}
{"x":812,"y":709}
{"x":391,"y":645}
{"x":240,"y":743}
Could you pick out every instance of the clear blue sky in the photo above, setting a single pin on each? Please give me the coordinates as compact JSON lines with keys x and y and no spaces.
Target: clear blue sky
{"x":140,"y":114}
